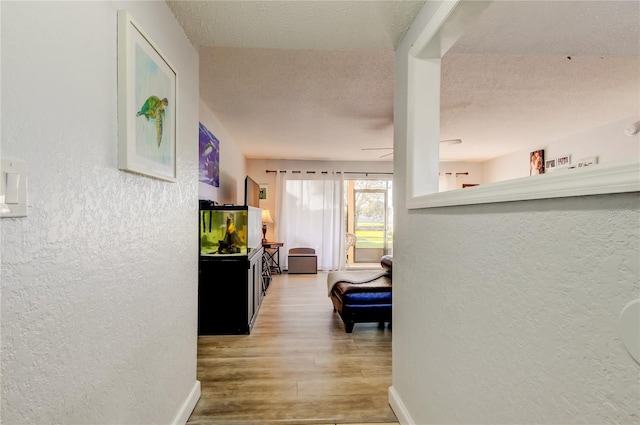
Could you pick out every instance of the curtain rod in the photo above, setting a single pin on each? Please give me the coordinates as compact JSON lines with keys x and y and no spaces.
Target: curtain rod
{"x":327,"y":172}
{"x":466,"y":173}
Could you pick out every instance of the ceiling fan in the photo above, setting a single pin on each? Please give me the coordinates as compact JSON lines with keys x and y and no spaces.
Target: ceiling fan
{"x":380,"y":149}
{"x":444,"y":142}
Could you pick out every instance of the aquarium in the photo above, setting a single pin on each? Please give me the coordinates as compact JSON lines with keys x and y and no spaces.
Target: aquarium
{"x":229,"y":230}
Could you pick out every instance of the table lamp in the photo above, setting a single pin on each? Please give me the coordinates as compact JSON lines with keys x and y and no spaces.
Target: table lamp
{"x":266,"y":218}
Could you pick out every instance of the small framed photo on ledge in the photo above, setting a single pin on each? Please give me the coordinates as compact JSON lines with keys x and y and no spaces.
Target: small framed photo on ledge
{"x":550,"y":164}
{"x":536,"y":162}
{"x":563,"y":161}
{"x":585,"y":162}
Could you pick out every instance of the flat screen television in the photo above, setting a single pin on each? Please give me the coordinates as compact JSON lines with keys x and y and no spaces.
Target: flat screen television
{"x":251,"y":192}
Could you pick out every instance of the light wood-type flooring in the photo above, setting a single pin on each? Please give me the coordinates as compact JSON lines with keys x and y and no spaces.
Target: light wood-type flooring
{"x":298,"y":366}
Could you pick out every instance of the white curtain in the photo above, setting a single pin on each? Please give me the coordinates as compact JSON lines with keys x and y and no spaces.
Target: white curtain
{"x":447,"y":181}
{"x":311,"y":214}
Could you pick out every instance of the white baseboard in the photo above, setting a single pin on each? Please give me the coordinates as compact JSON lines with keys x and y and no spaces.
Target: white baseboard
{"x":188,"y":405}
{"x":399,"y":408}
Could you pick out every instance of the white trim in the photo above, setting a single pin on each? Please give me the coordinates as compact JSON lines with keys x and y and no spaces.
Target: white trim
{"x":399,"y":408}
{"x":423,"y":123}
{"x":188,"y":405}
{"x":446,"y":25}
{"x":592,"y":180}
{"x":431,"y":38}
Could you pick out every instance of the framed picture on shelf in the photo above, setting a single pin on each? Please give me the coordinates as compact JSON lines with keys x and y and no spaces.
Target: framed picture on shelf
{"x":585,"y":162}
{"x":550,"y":164}
{"x":563,"y":161}
{"x":146,"y":104}
{"x":536,"y":162}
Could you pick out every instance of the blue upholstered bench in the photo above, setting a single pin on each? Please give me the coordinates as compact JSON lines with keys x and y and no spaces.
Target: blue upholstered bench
{"x":360,"y":296}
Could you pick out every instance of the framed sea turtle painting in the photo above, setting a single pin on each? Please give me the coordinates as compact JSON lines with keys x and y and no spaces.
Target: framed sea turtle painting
{"x":147,"y":91}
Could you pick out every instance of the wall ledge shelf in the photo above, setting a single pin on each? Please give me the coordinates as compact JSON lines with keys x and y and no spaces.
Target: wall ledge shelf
{"x":592,"y":180}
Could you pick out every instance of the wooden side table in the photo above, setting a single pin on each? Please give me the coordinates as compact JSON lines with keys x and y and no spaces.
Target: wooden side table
{"x":272,"y":255}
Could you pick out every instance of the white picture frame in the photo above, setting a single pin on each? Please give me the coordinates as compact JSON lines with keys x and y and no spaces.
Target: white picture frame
{"x":549,"y":165}
{"x":147,"y":95}
{"x":585,"y":162}
{"x":563,"y":161}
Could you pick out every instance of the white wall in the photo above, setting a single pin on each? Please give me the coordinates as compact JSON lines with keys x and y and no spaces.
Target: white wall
{"x":232,"y":164}
{"x":508,"y":312}
{"x":257,"y":170}
{"x":99,"y":282}
{"x":607,"y":142}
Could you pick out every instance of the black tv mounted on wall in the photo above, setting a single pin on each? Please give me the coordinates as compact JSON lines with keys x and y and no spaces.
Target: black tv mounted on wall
{"x":251,"y":192}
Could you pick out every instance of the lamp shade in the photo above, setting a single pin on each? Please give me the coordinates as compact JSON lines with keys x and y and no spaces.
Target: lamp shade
{"x":266,"y":217}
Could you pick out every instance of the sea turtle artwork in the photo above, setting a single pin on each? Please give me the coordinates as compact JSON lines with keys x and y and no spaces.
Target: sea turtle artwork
{"x":154,"y":108}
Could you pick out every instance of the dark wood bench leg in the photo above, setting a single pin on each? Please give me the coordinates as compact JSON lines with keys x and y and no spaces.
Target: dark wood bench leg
{"x":348,"y":326}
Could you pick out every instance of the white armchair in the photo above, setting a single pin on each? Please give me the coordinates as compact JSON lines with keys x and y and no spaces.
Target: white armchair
{"x":351,"y":240}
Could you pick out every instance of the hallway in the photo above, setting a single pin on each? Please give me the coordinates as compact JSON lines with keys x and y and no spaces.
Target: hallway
{"x":298,"y":366}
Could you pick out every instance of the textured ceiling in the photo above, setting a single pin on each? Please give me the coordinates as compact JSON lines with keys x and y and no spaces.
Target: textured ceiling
{"x":528,"y":73}
{"x":319,"y":112}
{"x":314,"y":79}
{"x":299,"y":24}
{"x":300,"y":79}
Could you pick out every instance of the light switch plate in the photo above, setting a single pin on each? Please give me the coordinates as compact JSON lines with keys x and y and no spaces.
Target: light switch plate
{"x":13,"y":188}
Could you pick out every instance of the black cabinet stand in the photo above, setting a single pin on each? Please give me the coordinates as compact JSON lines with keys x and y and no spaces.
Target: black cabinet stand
{"x":230,"y":292}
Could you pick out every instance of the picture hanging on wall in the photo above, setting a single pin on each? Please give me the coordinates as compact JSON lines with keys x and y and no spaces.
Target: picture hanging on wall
{"x":146,"y":104}
{"x":536,"y":162}
{"x":209,"y":171}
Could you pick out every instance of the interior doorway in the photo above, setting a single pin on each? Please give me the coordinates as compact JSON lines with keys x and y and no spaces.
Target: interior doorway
{"x":369,"y":215}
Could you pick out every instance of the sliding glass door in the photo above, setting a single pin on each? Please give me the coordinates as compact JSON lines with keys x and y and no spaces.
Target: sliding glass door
{"x":370,"y":217}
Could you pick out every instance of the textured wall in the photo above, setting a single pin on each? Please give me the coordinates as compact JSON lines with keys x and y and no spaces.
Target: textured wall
{"x":99,"y":282}
{"x":508,"y":313}
{"x":512,"y":310}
